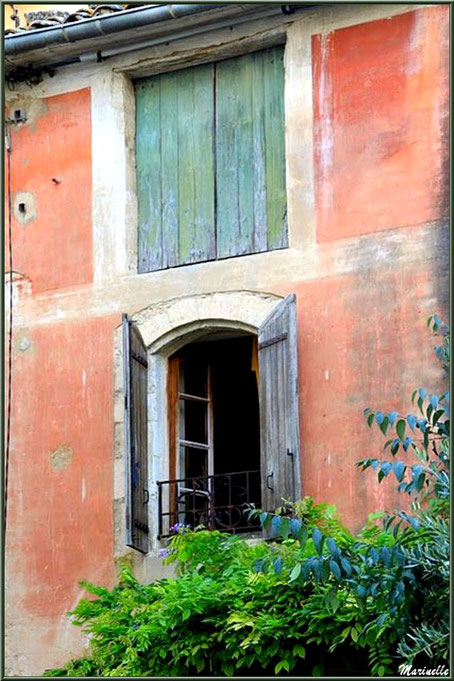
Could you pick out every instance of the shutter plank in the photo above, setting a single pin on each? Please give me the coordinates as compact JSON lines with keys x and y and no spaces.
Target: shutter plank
{"x":276,"y":200}
{"x":196,"y":165}
{"x":246,"y":168}
{"x":148,"y":161}
{"x":260,"y":238}
{"x":227,"y":179}
{"x":250,"y":160}
{"x":279,"y":406}
{"x":135,"y":374}
{"x":235,"y":118}
{"x":169,"y":169}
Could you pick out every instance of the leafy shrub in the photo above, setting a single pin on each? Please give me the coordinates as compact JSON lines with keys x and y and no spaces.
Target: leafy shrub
{"x":316,"y":600}
{"x":400,"y":579}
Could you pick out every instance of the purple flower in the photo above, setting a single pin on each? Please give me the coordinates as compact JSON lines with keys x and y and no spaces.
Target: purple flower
{"x":163,"y":553}
{"x":179,"y":528}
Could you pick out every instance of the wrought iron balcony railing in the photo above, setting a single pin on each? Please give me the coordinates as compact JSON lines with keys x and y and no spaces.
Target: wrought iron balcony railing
{"x":215,"y":501}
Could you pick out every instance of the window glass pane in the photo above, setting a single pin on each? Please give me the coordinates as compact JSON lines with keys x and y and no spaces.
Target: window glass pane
{"x":194,"y":463}
{"x":193,"y":378}
{"x":193,"y":421}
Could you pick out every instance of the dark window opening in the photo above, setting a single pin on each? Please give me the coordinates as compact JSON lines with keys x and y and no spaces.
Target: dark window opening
{"x":215,"y":437}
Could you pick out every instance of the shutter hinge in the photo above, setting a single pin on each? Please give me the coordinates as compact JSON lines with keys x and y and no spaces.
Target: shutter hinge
{"x":139,"y":358}
{"x":141,"y":526}
{"x":289,"y":453}
{"x":272,"y":341}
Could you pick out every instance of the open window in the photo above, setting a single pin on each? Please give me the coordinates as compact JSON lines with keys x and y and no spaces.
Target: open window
{"x":233,"y":432}
{"x":214,"y":434}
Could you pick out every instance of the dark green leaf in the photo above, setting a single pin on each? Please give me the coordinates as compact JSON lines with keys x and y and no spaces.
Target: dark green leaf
{"x":317,"y":538}
{"x":400,"y":429}
{"x":384,"y":425}
{"x":407,"y":443}
{"x":332,"y":546}
{"x":303,"y":536}
{"x":295,"y":527}
{"x":346,"y":566}
{"x":438,"y":414}
{"x":316,"y":567}
{"x":335,"y":569}
{"x":395,"y":446}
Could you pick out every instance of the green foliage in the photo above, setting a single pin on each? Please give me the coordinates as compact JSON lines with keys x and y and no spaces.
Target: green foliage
{"x":220,"y":617}
{"x":315,"y":601}
{"x":399,"y":575}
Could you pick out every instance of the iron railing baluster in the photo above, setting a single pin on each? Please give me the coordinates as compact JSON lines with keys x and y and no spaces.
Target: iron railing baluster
{"x":216,"y":501}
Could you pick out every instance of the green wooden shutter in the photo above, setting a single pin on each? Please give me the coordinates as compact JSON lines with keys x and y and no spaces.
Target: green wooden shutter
{"x":136,"y":465}
{"x":279,"y":406}
{"x":250,"y":154}
{"x":210,"y":156}
{"x":175,"y":168}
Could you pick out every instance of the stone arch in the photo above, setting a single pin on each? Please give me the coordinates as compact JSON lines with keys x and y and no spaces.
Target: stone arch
{"x":163,"y":323}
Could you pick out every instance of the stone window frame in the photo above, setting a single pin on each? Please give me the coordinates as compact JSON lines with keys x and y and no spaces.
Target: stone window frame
{"x":115,"y":253}
{"x":165,"y":328}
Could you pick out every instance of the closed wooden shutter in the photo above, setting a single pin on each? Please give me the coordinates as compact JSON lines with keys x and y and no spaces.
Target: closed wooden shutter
{"x":279,"y":406}
{"x":135,"y":388}
{"x":210,"y":157}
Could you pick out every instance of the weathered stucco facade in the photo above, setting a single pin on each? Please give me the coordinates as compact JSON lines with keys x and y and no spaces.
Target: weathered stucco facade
{"x":366,"y":134}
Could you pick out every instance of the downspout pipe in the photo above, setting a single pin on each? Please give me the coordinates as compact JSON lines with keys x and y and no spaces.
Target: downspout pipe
{"x":94,"y":28}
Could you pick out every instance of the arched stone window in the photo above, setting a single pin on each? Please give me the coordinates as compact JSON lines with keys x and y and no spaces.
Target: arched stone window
{"x":209,"y":416}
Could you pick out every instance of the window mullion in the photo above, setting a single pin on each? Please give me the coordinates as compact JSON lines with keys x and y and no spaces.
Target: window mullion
{"x":210,"y":421}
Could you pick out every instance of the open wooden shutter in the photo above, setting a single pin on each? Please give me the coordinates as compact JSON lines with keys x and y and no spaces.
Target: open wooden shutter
{"x":279,"y":407}
{"x":135,"y":387}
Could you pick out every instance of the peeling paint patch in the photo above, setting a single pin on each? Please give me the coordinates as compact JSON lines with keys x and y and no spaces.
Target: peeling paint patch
{"x":61,"y":458}
{"x":24,"y":207}
{"x":25,"y":344}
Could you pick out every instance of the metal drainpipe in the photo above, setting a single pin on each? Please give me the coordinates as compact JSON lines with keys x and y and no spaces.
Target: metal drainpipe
{"x":94,"y":28}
